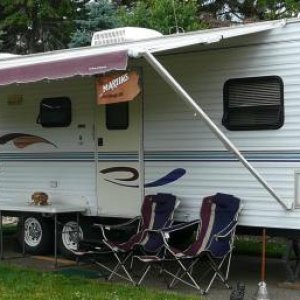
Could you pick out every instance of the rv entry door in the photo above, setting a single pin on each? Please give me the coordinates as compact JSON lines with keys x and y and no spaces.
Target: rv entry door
{"x":118,"y":154}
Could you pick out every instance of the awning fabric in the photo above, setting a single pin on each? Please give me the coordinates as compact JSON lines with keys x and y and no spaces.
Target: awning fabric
{"x":98,"y":60}
{"x":64,"y":68}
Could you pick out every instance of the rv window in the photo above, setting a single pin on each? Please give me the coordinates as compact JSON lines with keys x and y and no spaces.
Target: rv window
{"x":117,"y":116}
{"x":253,"y":103}
{"x":55,"y":112}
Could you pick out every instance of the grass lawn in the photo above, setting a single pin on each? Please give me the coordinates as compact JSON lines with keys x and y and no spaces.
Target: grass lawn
{"x":252,"y":246}
{"x":9,"y":229}
{"x":18,"y":283}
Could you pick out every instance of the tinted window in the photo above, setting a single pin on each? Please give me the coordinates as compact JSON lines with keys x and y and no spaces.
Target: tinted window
{"x":55,"y":112}
{"x":253,"y":103}
{"x":117,"y":116}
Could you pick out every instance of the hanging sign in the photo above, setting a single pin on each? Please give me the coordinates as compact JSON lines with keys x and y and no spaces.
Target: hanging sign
{"x":117,"y":87}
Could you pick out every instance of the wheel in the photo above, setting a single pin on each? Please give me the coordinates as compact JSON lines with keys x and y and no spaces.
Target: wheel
{"x":38,"y":235}
{"x":69,"y":235}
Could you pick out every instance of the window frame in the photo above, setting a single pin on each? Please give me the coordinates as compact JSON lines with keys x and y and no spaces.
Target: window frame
{"x":226,"y":104}
{"x":127,"y":117}
{"x":68,"y":104}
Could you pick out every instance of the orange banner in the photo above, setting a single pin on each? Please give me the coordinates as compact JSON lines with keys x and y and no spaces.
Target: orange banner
{"x":117,"y":87}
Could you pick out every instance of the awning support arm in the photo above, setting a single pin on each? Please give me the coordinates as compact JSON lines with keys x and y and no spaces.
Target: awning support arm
{"x":168,"y":78}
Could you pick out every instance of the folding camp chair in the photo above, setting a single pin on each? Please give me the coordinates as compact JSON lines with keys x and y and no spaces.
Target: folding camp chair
{"x":213,"y":243}
{"x":156,"y":213}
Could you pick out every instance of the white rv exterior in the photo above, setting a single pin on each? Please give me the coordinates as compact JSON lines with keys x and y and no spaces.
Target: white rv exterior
{"x":175,"y":137}
{"x":171,"y":148}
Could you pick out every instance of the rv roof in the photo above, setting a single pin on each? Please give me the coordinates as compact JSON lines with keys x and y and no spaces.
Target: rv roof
{"x":154,"y":45}
{"x":7,"y":55}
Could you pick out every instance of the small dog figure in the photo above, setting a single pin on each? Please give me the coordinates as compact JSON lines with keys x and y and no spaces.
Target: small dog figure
{"x":39,"y":198}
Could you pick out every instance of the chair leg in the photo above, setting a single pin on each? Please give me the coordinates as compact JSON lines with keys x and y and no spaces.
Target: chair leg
{"x":228,"y":266}
{"x":217,"y":272}
{"x":184,"y":271}
{"x":189,"y":269}
{"x":161,"y":269}
{"x":144,"y":275}
{"x":171,"y":284}
{"x":120,"y":264}
{"x":131,"y":263}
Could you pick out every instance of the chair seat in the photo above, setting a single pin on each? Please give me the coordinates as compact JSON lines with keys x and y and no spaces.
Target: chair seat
{"x":90,"y":243}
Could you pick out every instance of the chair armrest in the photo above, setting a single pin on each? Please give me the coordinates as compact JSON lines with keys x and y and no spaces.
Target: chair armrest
{"x":107,"y":227}
{"x":226,"y":231}
{"x":165,"y":232}
{"x":117,"y":226}
{"x":180,"y":226}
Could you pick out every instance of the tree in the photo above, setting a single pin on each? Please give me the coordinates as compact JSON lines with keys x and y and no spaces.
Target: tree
{"x":250,"y":10}
{"x":163,"y":15}
{"x":100,"y":15}
{"x":37,"y":25}
{"x":278,"y":9}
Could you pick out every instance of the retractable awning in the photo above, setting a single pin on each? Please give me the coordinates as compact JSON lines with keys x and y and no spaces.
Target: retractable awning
{"x":97,"y":60}
{"x":63,"y":68}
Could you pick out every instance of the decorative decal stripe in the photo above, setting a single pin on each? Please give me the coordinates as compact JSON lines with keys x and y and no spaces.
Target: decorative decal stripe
{"x":156,"y":156}
{"x":134,"y":174}
{"x":172,"y":176}
{"x":23,"y":140}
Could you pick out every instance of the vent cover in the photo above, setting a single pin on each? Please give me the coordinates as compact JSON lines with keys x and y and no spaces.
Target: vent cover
{"x":122,"y":35}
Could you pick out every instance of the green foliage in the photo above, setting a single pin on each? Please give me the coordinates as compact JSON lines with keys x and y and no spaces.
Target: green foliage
{"x":10,"y":229}
{"x":250,"y":10}
{"x":252,"y":246}
{"x":278,"y":9}
{"x":17,"y":283}
{"x":100,"y":15}
{"x":159,"y":15}
{"x":36,"y":25}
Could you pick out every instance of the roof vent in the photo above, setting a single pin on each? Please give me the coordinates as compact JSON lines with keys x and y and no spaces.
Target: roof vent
{"x":123,"y":35}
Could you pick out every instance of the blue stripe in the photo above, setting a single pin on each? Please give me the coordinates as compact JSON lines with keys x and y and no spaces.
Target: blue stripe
{"x":69,"y":156}
{"x":188,"y":156}
{"x":118,"y":156}
{"x":254,"y":156}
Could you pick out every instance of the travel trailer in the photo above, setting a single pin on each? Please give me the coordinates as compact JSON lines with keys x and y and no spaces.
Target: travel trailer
{"x":190,"y":114}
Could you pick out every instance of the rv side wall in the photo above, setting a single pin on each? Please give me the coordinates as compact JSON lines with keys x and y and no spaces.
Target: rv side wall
{"x":59,"y":161}
{"x":176,"y":138}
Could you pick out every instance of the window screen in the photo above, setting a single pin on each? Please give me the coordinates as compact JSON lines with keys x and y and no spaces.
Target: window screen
{"x":55,"y":112}
{"x":117,"y":116}
{"x":253,"y":103}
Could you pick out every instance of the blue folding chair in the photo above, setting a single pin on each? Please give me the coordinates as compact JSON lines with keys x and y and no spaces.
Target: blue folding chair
{"x":213,"y":243}
{"x":157,"y":213}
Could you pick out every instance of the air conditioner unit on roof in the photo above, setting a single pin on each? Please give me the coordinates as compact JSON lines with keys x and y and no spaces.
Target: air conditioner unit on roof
{"x":122,"y":35}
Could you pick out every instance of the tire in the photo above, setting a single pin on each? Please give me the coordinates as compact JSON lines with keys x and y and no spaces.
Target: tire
{"x":38,"y":235}
{"x":68,"y":236}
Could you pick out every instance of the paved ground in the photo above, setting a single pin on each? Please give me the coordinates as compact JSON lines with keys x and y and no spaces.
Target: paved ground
{"x":243,"y":268}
